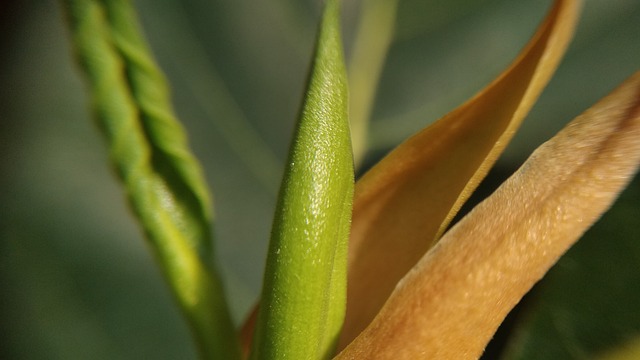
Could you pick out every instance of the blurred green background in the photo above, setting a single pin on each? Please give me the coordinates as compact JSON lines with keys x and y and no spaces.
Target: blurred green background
{"x":76,"y":279}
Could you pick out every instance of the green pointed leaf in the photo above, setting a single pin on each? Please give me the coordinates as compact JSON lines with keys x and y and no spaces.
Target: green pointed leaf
{"x":303,"y":295}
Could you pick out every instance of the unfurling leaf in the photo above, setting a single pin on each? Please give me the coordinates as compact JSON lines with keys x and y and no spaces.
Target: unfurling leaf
{"x":406,"y":201}
{"x":452,"y":302}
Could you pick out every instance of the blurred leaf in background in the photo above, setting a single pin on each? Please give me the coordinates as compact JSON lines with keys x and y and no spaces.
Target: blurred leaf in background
{"x":77,"y":280}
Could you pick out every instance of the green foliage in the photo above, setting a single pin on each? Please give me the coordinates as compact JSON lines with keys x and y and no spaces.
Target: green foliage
{"x":75,"y":281}
{"x":305,"y":281}
{"x":148,"y":149}
{"x":304,"y":291}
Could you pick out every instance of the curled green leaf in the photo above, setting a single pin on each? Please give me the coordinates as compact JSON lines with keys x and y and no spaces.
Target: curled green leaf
{"x":303,"y":295}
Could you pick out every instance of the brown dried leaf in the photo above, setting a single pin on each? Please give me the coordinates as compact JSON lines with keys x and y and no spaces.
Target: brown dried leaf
{"x":451,"y":303}
{"x":406,"y":201}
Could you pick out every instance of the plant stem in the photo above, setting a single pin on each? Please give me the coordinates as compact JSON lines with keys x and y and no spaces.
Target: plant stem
{"x":148,"y":148}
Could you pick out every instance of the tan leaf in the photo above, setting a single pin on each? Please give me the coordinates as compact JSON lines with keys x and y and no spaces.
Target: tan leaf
{"x":451,"y":303}
{"x":406,"y":201}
